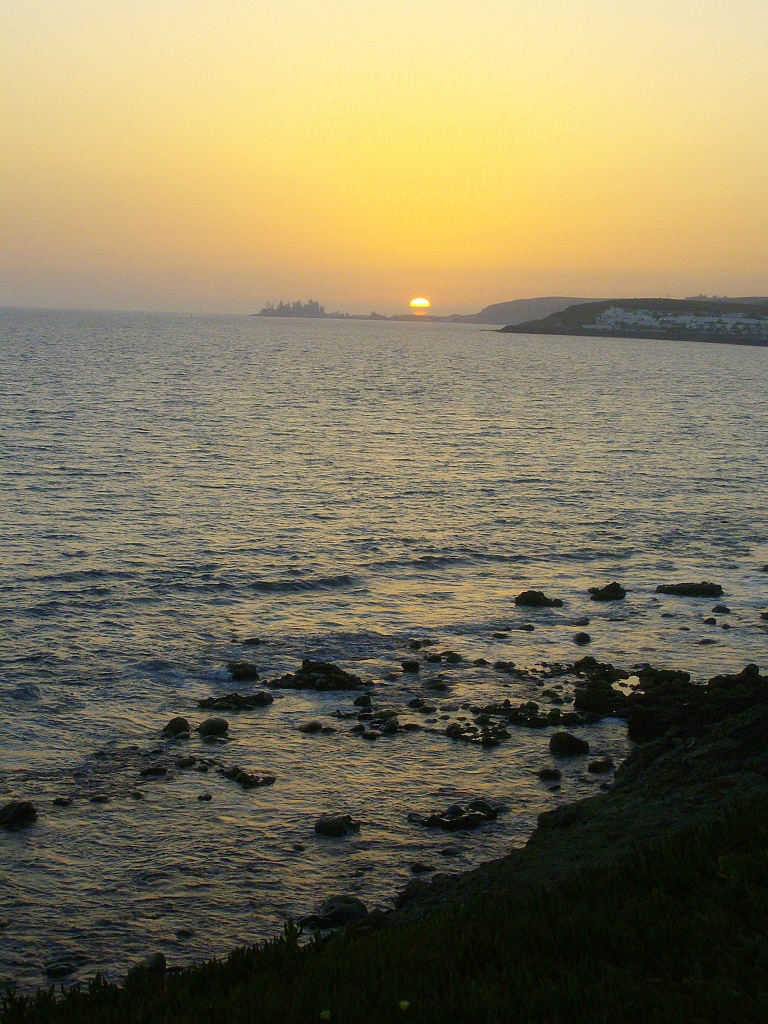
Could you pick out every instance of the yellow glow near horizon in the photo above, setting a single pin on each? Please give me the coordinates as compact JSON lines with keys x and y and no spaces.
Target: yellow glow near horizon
{"x":420,"y":304}
{"x":184,"y":155}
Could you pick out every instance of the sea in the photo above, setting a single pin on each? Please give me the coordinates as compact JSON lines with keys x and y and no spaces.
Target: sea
{"x":355,"y":492}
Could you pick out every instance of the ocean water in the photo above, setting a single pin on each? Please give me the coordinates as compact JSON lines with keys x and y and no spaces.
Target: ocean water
{"x":170,"y":487}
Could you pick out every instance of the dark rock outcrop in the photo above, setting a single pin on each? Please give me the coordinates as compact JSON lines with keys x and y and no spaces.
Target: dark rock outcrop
{"x":537,"y":599}
{"x":336,"y":911}
{"x":310,"y":728}
{"x":17,"y":814}
{"x":565,"y":744}
{"x":213,"y":727}
{"x":702,"y":589}
{"x":242,"y":671}
{"x":151,"y":970}
{"x":246,"y":779}
{"x":596,"y":670}
{"x":611,"y":592}
{"x":177,"y":727}
{"x":336,"y":825}
{"x":318,"y":675}
{"x":237,"y":701}
{"x":458,"y":818}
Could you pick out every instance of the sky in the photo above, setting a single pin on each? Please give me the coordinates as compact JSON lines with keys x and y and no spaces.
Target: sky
{"x":208,"y":157}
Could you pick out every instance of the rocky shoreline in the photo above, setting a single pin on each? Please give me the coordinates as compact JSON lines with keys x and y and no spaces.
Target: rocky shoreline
{"x":698,"y":748}
{"x":711,"y":750}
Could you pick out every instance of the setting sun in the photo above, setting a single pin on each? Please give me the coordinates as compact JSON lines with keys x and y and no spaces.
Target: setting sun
{"x":420,"y":304}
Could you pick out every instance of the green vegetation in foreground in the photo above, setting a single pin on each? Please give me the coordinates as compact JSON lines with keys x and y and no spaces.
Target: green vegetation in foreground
{"x":676,"y":932}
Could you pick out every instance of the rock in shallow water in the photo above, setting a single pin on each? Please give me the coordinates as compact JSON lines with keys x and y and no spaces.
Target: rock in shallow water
{"x":310,"y":727}
{"x":237,"y":701}
{"x":242,"y":671}
{"x":318,"y":675}
{"x":336,"y":825}
{"x":565,"y":744}
{"x":17,"y":814}
{"x":336,"y":911}
{"x":537,"y":599}
{"x":213,"y":727}
{"x":177,"y":727}
{"x":246,"y":779}
{"x":611,"y":592}
{"x":458,"y":817}
{"x":703,"y":589}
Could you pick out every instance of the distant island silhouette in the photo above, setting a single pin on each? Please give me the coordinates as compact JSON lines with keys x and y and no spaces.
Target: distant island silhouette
{"x":313,"y":310}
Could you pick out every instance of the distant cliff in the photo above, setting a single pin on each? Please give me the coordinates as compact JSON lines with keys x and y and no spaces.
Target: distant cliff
{"x":724,"y":321}
{"x":519,"y":310}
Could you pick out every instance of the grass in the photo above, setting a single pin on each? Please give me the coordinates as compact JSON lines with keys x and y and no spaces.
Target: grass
{"x":676,"y":932}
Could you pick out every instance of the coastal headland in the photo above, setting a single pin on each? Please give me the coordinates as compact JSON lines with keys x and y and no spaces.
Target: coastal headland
{"x":721,"y":321}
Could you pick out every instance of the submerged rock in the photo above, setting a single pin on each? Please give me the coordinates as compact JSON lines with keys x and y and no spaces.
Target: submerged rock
{"x":237,"y":701}
{"x":246,"y":779}
{"x":318,"y":675}
{"x":310,"y":727}
{"x":17,"y":814}
{"x":537,"y":599}
{"x":581,"y":639}
{"x":336,"y":825}
{"x":703,"y":589}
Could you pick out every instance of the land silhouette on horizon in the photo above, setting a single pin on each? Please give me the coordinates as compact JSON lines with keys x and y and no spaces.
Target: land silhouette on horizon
{"x":738,"y":321}
{"x":720,"y":320}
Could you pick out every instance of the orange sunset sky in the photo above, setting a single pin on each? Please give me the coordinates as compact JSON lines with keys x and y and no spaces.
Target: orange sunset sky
{"x":207,"y":157}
